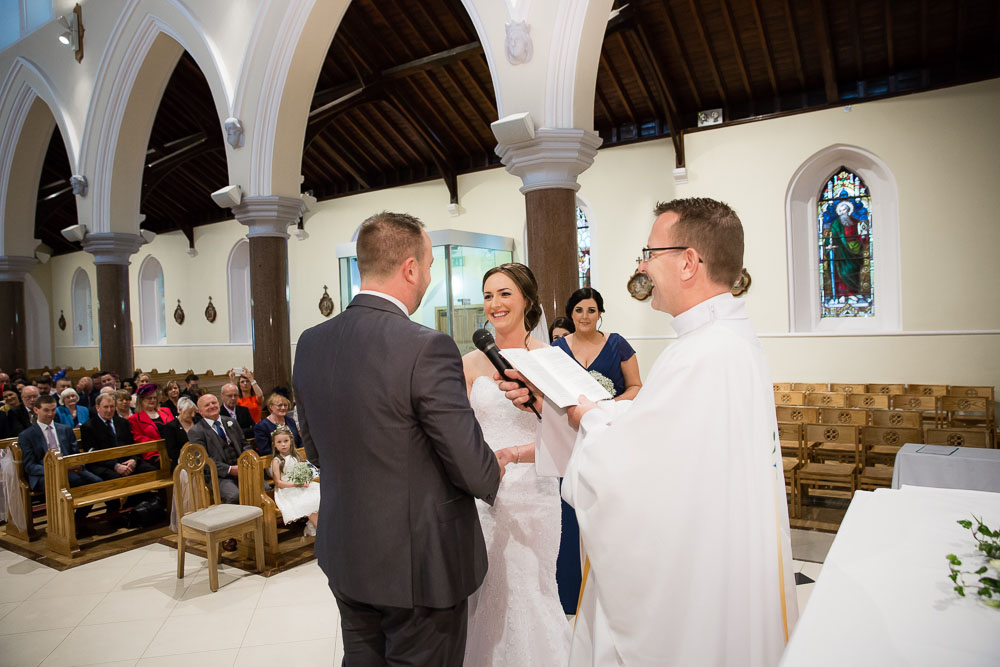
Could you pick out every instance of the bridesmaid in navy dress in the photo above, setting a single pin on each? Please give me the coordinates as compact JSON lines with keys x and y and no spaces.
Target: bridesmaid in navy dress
{"x":613,"y":357}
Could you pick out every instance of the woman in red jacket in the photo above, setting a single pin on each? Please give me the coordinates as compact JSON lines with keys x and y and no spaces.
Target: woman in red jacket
{"x":149,"y":418}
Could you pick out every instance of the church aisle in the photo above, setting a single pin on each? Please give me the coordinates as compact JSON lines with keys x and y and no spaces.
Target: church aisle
{"x":131,"y":609}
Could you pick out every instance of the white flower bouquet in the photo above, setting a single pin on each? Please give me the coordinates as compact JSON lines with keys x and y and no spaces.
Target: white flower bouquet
{"x":604,"y":381}
{"x":300,"y":473}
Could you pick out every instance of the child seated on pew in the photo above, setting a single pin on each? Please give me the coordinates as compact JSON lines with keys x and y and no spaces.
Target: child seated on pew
{"x":294,"y":500}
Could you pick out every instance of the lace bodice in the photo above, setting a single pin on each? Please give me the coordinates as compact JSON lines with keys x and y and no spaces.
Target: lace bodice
{"x":503,"y":425}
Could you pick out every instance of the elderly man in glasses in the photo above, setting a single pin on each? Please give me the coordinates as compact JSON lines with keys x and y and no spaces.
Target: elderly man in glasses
{"x":683,"y":483}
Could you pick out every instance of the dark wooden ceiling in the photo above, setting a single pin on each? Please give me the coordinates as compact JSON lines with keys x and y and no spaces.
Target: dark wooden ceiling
{"x":405,"y":94}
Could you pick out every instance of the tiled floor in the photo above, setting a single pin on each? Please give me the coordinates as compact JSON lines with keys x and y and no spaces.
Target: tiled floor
{"x":131,"y":609}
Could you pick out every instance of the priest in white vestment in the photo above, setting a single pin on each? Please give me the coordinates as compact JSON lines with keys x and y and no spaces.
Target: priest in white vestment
{"x":680,"y":493}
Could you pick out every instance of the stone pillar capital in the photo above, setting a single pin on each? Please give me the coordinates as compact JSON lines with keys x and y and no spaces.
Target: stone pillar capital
{"x":552,"y":160}
{"x":13,"y":268}
{"x":112,"y":247}
{"x":268,"y":215}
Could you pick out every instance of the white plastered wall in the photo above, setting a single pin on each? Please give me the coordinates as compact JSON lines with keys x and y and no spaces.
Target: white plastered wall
{"x":948,"y":232}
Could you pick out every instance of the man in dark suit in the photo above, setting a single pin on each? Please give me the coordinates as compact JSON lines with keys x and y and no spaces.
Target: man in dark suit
{"x":5,"y":431}
{"x":104,"y":430}
{"x":230,"y":408}
{"x":48,"y":434}
{"x":192,"y":390}
{"x":383,"y":410}
{"x":223,"y":440}
{"x":20,"y":418}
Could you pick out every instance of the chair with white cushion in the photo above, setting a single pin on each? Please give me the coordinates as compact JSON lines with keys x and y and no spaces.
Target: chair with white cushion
{"x":201,"y":516}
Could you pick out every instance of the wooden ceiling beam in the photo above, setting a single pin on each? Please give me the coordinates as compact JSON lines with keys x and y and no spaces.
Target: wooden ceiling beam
{"x":765,"y":45}
{"x":440,"y":158}
{"x":442,"y":122}
{"x":793,"y":42}
{"x":397,"y":39}
{"x":639,"y":74}
{"x":602,"y":101}
{"x":441,"y":38}
{"x":619,"y":88}
{"x":153,"y":176}
{"x":822,"y":34}
{"x":478,"y":87}
{"x":453,"y":107}
{"x":464,"y":91}
{"x":362,"y":158}
{"x":434,"y":61}
{"x":673,"y":38}
{"x":363,"y":128}
{"x":699,"y":23}
{"x":852,"y":23}
{"x":890,"y":50}
{"x":727,"y":14}
{"x":666,"y":99}
{"x":337,"y":155}
{"x":390,"y":128}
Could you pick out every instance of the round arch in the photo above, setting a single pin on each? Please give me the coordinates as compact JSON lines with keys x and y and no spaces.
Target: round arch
{"x":152,"y":308}
{"x":238,"y":274}
{"x":83,"y":309}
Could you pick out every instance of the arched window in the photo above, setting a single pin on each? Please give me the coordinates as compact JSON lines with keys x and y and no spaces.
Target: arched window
{"x":239,"y":293}
{"x":845,"y":247}
{"x":83,"y":314}
{"x":583,"y":243}
{"x":152,"y":315}
{"x":842,"y":222}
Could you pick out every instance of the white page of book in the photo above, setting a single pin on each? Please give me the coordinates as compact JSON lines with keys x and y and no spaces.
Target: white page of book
{"x":557,"y":375}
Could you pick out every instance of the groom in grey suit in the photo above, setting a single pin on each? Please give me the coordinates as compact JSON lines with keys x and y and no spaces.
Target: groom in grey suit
{"x":383,"y":411}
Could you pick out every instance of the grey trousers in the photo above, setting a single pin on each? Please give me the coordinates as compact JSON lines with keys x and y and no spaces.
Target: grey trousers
{"x":229,"y":491}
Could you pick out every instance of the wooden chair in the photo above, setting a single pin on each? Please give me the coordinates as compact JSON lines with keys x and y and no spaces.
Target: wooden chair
{"x":782,"y":386}
{"x":897,"y":418}
{"x":790,"y":439}
{"x":875,"y":477}
{"x":827,"y":399}
{"x":202,"y":517}
{"x":833,"y":442}
{"x":890,"y":389}
{"x":958,"y":437}
{"x":789,"y":398}
{"x":868,"y":401}
{"x":927,"y":389}
{"x":809,"y":386}
{"x":845,"y":416}
{"x":831,"y":480}
{"x":964,"y":412}
{"x":796,"y":414}
{"x":968,"y":390}
{"x":790,"y":467}
{"x":881,"y":443}
{"x":926,"y":405}
{"x":847,"y":388}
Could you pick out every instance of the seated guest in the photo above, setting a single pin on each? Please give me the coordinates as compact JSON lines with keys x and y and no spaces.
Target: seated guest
{"x":223,"y":440}
{"x":148,"y":421}
{"x":128,"y":385}
{"x":23,"y":416}
{"x":277,"y":406}
{"x":44,"y":385}
{"x":70,"y":413}
{"x":610,"y":355}
{"x":192,"y":390}
{"x":107,"y":429}
{"x":172,"y":393}
{"x":85,"y":390}
{"x":141,"y":379}
{"x":250,"y":396}
{"x":48,"y":434}
{"x":175,"y":433}
{"x":232,"y":409}
{"x":63,"y":384}
{"x":10,"y":401}
{"x":561,"y":326}
{"x":123,"y":401}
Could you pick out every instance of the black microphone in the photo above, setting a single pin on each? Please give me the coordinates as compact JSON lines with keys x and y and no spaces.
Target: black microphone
{"x":483,"y":340}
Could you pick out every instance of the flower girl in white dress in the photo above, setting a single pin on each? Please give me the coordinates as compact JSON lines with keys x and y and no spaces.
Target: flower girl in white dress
{"x":515,"y":618}
{"x":294,"y":500}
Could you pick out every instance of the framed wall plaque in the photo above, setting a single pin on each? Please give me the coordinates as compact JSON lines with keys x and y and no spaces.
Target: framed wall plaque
{"x":179,"y":313}
{"x":210,"y":313}
{"x":326,"y":303}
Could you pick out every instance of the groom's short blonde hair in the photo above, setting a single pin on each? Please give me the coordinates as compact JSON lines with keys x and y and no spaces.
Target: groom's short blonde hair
{"x":385,"y":241}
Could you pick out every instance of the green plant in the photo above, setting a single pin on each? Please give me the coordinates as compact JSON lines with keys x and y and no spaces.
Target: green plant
{"x":988,"y":541}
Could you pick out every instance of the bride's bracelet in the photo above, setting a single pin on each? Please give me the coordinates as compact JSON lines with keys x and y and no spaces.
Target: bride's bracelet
{"x":517,"y":450}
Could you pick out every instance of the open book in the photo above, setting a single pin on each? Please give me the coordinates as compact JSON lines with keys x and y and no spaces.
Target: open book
{"x":557,"y":375}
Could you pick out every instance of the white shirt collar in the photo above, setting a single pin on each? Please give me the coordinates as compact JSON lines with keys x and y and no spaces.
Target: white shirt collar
{"x":720,"y":306}
{"x":387,"y":297}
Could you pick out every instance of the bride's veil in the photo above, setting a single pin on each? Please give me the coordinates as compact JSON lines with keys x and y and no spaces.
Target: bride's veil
{"x":11,"y":503}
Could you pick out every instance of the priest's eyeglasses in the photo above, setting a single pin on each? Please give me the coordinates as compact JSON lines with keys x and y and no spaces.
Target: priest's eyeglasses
{"x":648,"y":253}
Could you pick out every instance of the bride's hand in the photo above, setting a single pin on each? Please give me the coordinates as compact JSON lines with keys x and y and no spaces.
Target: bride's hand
{"x":504,"y":456}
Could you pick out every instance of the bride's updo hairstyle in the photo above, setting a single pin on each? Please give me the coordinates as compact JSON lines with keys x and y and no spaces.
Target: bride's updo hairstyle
{"x":526,"y":283}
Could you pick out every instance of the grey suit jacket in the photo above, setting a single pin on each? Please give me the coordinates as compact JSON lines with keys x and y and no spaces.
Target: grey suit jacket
{"x":383,"y":411}
{"x":222,"y":454}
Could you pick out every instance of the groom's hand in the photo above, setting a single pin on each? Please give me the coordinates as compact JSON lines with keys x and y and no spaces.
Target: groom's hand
{"x":517,"y":394}
{"x":576,"y":412}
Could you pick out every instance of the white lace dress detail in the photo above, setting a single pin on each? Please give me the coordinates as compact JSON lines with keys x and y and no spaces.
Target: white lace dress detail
{"x":515,"y":618}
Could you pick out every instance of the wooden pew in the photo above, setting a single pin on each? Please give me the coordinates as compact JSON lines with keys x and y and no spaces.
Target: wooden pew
{"x":24,"y":490}
{"x":255,"y":491}
{"x":61,"y":499}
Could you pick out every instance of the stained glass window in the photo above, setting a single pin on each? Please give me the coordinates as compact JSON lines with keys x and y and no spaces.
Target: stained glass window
{"x":583,"y":246}
{"x":845,"y":247}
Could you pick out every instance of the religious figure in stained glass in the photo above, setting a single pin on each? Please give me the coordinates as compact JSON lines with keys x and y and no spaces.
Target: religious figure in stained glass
{"x":845,"y":248}
{"x":583,"y":247}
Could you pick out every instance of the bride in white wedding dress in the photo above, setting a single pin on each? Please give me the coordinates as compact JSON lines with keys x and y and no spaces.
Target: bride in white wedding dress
{"x":515,"y":618}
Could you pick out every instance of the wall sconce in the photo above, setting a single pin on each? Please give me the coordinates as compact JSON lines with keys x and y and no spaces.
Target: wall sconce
{"x":72,"y":34}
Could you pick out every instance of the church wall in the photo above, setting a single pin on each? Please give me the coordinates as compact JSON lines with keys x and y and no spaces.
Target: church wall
{"x":945,"y":169}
